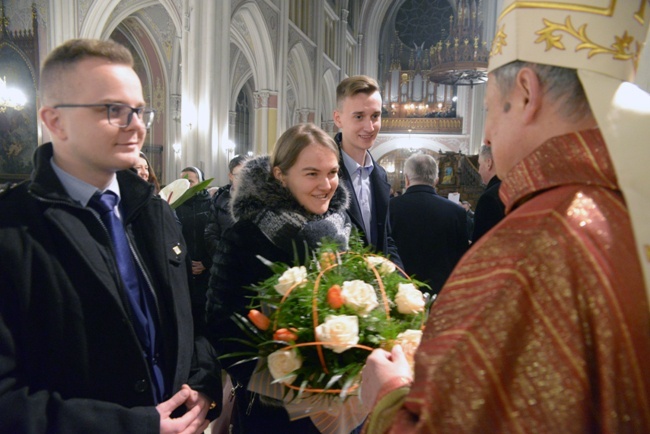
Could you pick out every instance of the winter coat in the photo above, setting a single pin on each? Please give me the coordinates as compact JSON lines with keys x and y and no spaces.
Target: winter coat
{"x":193,"y":215}
{"x":219,"y":219}
{"x":236,"y":267}
{"x":70,"y":360}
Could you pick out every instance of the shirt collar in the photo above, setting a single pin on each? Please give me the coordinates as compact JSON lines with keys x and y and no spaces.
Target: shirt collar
{"x":79,"y":190}
{"x":351,"y":165}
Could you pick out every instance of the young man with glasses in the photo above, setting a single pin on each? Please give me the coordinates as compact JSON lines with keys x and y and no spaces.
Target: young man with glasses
{"x":95,"y":321}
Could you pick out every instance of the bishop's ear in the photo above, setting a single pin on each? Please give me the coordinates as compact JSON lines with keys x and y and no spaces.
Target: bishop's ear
{"x":528,"y":93}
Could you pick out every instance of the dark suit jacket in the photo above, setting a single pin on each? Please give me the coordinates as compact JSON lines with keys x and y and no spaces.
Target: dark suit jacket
{"x":380,"y":197}
{"x":489,"y":209}
{"x":430,"y":232}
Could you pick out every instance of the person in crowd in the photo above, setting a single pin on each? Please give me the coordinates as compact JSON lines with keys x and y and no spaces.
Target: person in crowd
{"x":490,"y":209}
{"x":282,"y":205}
{"x":94,"y":297}
{"x":358,"y":116}
{"x":193,"y":215}
{"x":146,"y":172}
{"x":543,"y":325}
{"x":430,"y":231}
{"x":220,"y":218}
{"x":470,"y":217}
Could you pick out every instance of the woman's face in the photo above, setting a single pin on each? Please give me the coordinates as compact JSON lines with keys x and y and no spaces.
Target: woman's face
{"x":143,"y":168}
{"x":313,"y":179}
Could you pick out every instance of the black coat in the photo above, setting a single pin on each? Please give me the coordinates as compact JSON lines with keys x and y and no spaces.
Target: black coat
{"x":70,"y":361}
{"x":219,"y":219}
{"x":489,"y":209}
{"x":380,"y":197}
{"x":430,"y":232}
{"x":236,"y":267}
{"x":193,"y":215}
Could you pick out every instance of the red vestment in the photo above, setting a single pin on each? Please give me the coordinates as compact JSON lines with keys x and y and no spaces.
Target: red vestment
{"x":544,"y":325}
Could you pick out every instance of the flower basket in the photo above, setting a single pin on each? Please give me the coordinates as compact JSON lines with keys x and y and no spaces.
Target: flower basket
{"x":311,"y":327}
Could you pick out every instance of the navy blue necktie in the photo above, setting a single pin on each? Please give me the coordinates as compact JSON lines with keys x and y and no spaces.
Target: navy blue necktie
{"x":142,"y":305}
{"x":105,"y":204}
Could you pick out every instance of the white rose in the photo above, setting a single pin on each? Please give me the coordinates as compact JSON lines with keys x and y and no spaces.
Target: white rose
{"x":282,"y":363}
{"x":383,"y":265}
{"x":291,"y":277}
{"x":360,"y":296}
{"x":410,"y":341}
{"x":339,"y":332}
{"x":409,"y":299}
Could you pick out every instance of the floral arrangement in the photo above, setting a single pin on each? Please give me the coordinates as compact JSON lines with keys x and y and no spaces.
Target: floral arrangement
{"x":314,"y":325}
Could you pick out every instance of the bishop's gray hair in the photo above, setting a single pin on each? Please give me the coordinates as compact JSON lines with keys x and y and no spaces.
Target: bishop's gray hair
{"x":559,"y":84}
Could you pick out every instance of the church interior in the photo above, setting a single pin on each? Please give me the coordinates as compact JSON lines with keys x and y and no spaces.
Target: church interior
{"x":229,"y":77}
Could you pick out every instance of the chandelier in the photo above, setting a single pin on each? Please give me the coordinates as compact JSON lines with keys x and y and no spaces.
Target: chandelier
{"x":10,"y":98}
{"x":420,"y":87}
{"x":462,"y":57}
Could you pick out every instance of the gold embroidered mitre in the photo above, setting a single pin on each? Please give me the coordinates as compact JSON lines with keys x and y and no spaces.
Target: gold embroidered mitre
{"x":603,"y":36}
{"x":602,"y":40}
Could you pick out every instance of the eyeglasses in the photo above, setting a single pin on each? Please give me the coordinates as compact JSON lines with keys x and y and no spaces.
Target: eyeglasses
{"x":120,"y":115}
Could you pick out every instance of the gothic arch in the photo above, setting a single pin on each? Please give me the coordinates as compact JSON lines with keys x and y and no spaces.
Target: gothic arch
{"x":113,"y":21}
{"x":240,"y":73}
{"x":301,"y":76}
{"x":96,"y":24}
{"x":372,"y":15}
{"x":328,"y":95}
{"x":248,"y":30}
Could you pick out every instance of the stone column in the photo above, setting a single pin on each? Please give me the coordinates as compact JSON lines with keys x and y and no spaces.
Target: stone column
{"x":266,"y":113}
{"x":342,"y":41}
{"x":62,"y":23}
{"x":282,"y":65}
{"x":232,"y":118}
{"x":306,"y":115}
{"x":319,"y":34}
{"x":206,"y":86}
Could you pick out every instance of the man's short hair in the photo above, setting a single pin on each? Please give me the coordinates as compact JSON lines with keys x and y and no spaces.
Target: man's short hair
{"x":485,"y":151}
{"x":67,"y":55}
{"x":354,"y":85}
{"x":421,"y":169}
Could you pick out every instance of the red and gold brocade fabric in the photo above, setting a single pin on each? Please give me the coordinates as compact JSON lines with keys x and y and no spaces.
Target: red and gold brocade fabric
{"x":543,"y":327}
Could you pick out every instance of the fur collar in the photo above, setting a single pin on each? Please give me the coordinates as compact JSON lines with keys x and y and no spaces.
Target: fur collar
{"x":257,"y":190}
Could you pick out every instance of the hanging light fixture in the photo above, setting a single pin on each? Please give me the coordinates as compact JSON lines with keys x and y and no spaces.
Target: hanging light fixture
{"x":459,"y":54}
{"x":462,"y":57}
{"x":438,"y":46}
{"x":11,"y":98}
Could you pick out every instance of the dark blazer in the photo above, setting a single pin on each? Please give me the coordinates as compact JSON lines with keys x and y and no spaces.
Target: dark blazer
{"x":70,"y":360}
{"x":380,"y":197}
{"x":489,"y":209}
{"x":430,"y":232}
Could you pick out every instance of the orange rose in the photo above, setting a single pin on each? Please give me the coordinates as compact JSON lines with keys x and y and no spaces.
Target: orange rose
{"x":260,"y":320}
{"x":285,"y":335}
{"x":334,"y":298}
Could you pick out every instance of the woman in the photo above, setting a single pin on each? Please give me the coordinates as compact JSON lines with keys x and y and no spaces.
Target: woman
{"x":146,"y":172}
{"x":283,"y":206}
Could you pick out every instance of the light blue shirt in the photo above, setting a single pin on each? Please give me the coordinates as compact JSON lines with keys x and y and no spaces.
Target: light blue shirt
{"x":81,"y":191}
{"x":360,"y":178}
